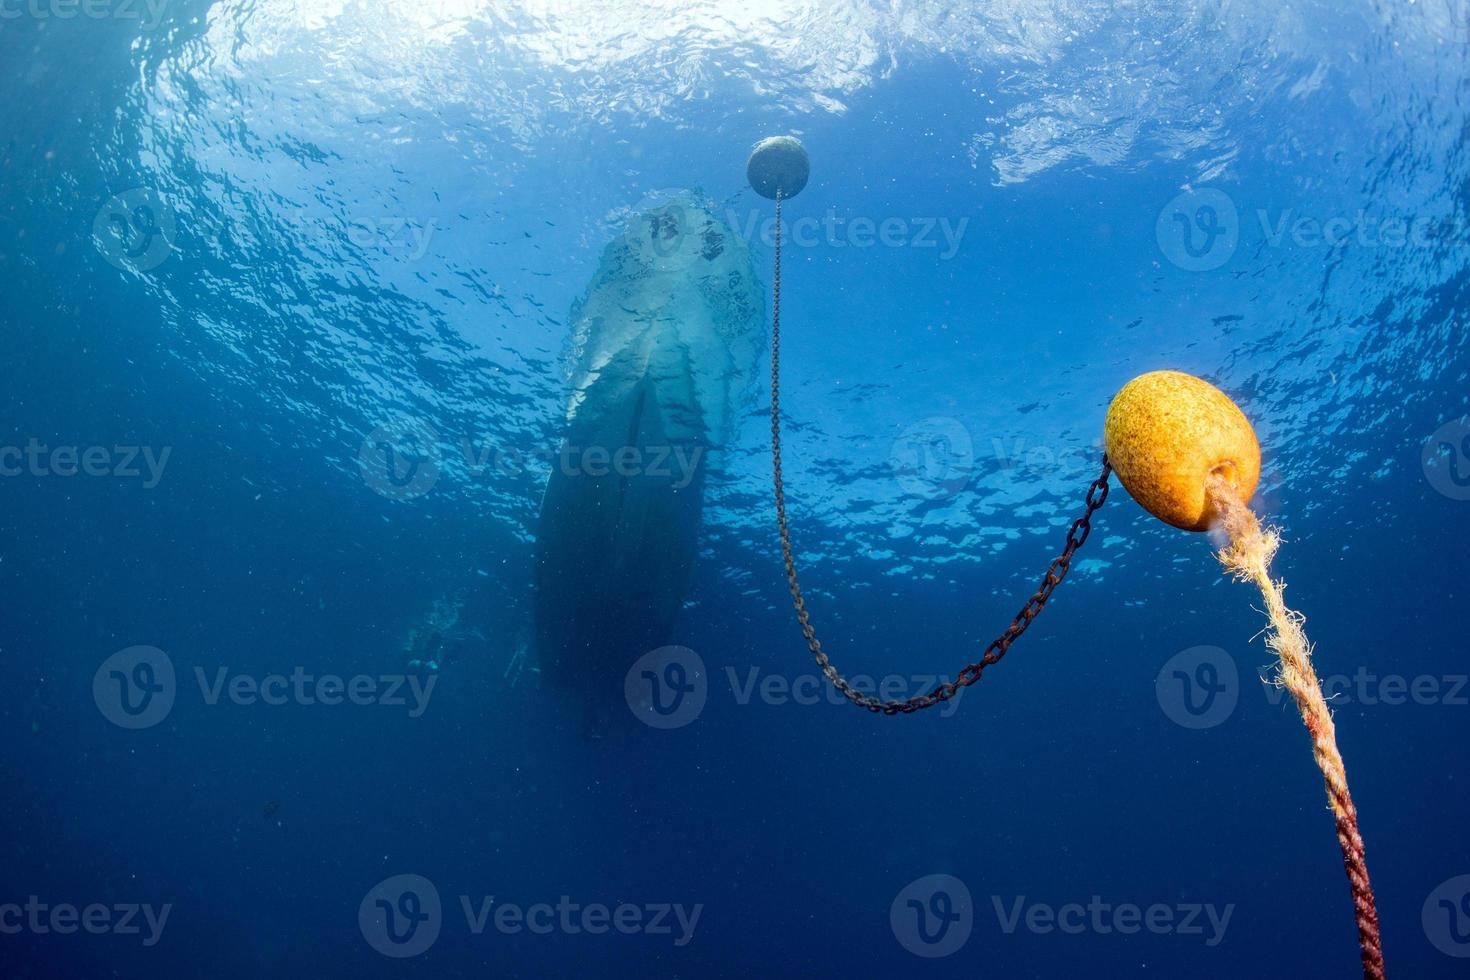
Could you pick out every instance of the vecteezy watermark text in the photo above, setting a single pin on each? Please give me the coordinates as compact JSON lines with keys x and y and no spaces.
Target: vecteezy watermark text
{"x":136,"y":688}
{"x":813,"y":688}
{"x":403,"y":459}
{"x":572,"y":918}
{"x":302,"y":688}
{"x":933,"y":916}
{"x":1101,"y":918}
{"x":149,"y":12}
{"x":677,"y":464}
{"x":402,"y":916}
{"x":64,"y":919}
{"x":834,"y":231}
{"x":39,"y":459}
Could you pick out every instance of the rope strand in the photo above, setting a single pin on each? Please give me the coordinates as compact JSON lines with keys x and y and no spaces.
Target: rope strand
{"x":1248,"y":557}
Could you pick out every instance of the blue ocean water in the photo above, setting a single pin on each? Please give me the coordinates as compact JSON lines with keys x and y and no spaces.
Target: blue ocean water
{"x":246,"y":245}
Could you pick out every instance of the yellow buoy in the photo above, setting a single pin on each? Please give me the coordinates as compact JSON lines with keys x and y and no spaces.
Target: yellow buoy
{"x":1168,"y":434}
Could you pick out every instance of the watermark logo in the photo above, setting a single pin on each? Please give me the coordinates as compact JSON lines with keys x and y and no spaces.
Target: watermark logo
{"x":668,"y":234}
{"x":932,"y":916}
{"x":1446,"y":460}
{"x":1198,"y":230}
{"x":933,"y":458}
{"x":400,"y":459}
{"x":1446,"y":917}
{"x":135,"y":688}
{"x":135,"y":231}
{"x":401,"y":916}
{"x":1199,"y":687}
{"x":667,"y":688}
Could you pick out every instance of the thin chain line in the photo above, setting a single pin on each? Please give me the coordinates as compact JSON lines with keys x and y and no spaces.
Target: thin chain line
{"x":1097,"y":495}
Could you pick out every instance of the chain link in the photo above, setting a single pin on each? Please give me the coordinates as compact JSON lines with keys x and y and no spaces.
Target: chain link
{"x":1097,"y":495}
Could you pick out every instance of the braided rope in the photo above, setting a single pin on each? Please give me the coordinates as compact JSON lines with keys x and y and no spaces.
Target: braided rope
{"x":1248,"y":557}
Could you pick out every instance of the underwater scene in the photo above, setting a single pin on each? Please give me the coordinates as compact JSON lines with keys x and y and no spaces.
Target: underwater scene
{"x":584,"y":488}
